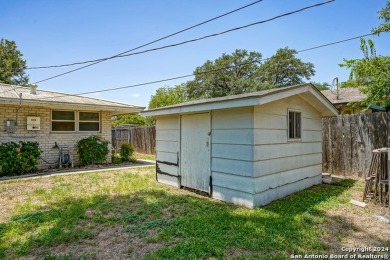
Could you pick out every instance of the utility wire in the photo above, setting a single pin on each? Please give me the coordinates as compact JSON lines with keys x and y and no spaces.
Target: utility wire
{"x":146,"y":44}
{"x":213,"y":35}
{"x":211,"y":71}
{"x":204,"y":72}
{"x":136,"y":48}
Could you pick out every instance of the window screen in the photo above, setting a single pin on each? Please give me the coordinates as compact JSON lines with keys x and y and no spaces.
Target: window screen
{"x":294,"y":125}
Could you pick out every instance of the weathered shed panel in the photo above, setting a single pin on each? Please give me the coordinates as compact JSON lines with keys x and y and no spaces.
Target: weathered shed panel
{"x":167,"y":149}
{"x":232,"y":153}
{"x":280,"y":161}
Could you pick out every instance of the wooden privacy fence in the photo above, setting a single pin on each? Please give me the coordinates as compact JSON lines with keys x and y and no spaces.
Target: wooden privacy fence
{"x":143,"y":138}
{"x":348,"y":141}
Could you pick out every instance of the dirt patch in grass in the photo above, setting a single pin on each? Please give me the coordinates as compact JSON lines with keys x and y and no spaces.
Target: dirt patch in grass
{"x":110,"y":242}
{"x":352,"y":226}
{"x":16,"y":193}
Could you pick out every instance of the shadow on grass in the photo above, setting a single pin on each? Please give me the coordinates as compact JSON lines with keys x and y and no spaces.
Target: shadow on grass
{"x":184,"y":226}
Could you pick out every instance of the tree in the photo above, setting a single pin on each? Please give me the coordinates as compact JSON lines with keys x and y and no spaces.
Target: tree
{"x":321,"y":86}
{"x":12,"y":66}
{"x":284,"y":69}
{"x":243,"y":72}
{"x":133,"y":119}
{"x":384,"y":14}
{"x":371,"y":74}
{"x":166,"y":96}
{"x":235,"y":73}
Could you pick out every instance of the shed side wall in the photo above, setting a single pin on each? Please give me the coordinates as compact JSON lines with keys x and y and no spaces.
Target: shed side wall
{"x":232,"y":155}
{"x":167,"y":149}
{"x":282,"y":167}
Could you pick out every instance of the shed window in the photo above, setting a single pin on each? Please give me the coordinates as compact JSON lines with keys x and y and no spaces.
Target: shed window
{"x":71,"y":121}
{"x":294,"y":125}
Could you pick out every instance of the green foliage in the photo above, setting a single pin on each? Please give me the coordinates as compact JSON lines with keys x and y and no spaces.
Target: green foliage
{"x":284,"y":69}
{"x":235,"y":73}
{"x":116,"y":158}
{"x":243,"y":72}
{"x":127,"y":153}
{"x":371,"y":74}
{"x":133,"y":119}
{"x":19,"y":158}
{"x":384,"y":14}
{"x":321,"y":86}
{"x":92,"y":149}
{"x":12,"y":66}
{"x":166,"y":96}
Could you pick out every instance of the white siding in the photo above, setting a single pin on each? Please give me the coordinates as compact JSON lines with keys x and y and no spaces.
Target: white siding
{"x":282,"y":167}
{"x":167,"y":148}
{"x":232,"y":155}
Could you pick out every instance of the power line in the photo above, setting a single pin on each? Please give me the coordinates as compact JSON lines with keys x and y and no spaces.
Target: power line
{"x":136,"y":48}
{"x":146,"y":44}
{"x":204,"y":72}
{"x":190,"y":75}
{"x":208,"y":36}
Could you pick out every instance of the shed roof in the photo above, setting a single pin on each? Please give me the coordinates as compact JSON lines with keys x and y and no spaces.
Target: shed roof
{"x":307,"y":91}
{"x":9,"y":94}
{"x":346,"y":95}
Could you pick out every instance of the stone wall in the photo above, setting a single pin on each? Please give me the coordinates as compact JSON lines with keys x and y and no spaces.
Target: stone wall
{"x":44,"y":136}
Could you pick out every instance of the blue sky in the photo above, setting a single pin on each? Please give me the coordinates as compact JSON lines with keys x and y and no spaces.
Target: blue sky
{"x":54,"y":32}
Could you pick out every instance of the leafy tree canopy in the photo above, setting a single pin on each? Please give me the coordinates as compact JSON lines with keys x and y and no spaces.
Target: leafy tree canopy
{"x":234,"y":73}
{"x":321,"y":86}
{"x":243,"y":72}
{"x":133,"y":119}
{"x":371,"y":74}
{"x":166,"y":96}
{"x":384,"y":14}
{"x":12,"y":66}
{"x":284,"y":69}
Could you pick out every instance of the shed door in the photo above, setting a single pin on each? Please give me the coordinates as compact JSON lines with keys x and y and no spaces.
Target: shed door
{"x":195,"y":151}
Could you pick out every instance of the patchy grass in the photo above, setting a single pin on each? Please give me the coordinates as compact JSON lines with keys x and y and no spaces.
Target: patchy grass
{"x":144,"y":156}
{"x":127,"y":215}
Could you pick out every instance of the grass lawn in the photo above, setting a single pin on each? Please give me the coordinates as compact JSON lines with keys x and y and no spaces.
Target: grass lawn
{"x":127,"y":215}
{"x":143,"y":156}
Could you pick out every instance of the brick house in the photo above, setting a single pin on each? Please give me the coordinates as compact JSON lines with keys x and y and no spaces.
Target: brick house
{"x":47,"y":117}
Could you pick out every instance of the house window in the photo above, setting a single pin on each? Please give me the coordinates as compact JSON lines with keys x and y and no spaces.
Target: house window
{"x":89,"y":121}
{"x":294,"y":125}
{"x":63,"y":121}
{"x":71,"y":121}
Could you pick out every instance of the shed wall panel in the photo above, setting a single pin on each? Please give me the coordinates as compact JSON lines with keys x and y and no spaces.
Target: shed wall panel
{"x":167,"y":122}
{"x":166,"y":179}
{"x":167,"y":146}
{"x":167,"y":157}
{"x":266,"y":197}
{"x":238,"y":118}
{"x":267,"y":167}
{"x":273,"y":151}
{"x":233,"y":182}
{"x":169,"y":169}
{"x":236,"y":167}
{"x":283,"y":178}
{"x":168,"y":135}
{"x":229,"y":151}
{"x":236,"y":136}
{"x":233,"y":196}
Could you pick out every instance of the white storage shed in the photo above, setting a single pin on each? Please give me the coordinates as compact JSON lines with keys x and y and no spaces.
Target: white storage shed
{"x":248,"y":149}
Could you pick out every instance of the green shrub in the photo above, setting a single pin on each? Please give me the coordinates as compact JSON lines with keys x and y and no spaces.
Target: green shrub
{"x":116,"y":158}
{"x":127,"y":153}
{"x":19,"y":158}
{"x":91,"y":150}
